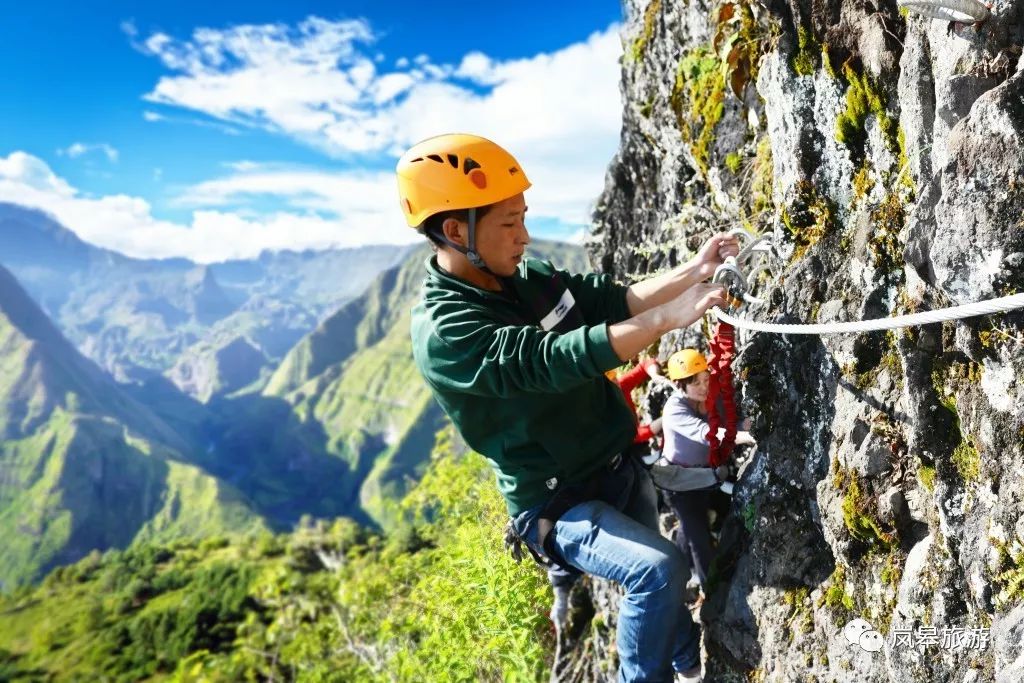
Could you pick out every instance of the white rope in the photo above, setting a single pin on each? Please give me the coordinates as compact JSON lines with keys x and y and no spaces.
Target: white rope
{"x":1005,"y":303}
{"x":960,"y":11}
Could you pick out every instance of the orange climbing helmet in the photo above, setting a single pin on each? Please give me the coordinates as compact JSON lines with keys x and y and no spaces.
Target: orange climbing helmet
{"x":686,"y":363}
{"x":455,"y":171}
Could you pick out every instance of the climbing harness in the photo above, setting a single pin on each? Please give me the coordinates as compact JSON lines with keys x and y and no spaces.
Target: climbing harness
{"x":959,"y":11}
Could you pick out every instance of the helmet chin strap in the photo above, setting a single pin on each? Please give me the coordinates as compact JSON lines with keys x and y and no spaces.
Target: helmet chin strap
{"x":469,"y":251}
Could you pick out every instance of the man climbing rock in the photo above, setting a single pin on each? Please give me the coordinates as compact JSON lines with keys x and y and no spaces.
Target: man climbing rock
{"x":515,"y":352}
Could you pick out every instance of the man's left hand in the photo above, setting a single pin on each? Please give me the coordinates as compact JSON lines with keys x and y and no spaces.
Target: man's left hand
{"x":715,"y":251}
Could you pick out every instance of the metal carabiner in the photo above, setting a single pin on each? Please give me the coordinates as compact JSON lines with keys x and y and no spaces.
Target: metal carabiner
{"x":736,"y":287}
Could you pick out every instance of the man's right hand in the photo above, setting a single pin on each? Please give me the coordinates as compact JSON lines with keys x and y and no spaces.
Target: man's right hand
{"x":688,"y":307}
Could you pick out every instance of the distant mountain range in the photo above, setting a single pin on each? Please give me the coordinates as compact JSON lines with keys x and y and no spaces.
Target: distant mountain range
{"x":335,"y":422}
{"x":210,"y":328}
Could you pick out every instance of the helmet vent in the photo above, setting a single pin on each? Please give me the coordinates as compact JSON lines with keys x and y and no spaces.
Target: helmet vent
{"x":513,"y":170}
{"x":416,"y":159}
{"x":453,"y":160}
{"x":435,"y":157}
{"x":468,"y":165}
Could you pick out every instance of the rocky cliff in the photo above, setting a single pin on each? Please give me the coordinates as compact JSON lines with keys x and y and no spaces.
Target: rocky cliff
{"x":881,"y":151}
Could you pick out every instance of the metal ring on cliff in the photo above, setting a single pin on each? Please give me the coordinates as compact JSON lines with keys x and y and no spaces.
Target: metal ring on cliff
{"x":960,"y":11}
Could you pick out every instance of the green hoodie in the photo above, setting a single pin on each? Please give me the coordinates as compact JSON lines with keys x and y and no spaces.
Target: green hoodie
{"x":521,"y":373}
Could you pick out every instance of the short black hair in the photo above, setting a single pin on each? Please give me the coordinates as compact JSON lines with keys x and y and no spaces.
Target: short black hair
{"x":687,"y":381}
{"x":433,"y":227}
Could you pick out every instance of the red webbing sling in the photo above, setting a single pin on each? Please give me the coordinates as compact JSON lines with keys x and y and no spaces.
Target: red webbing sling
{"x":723,"y":349}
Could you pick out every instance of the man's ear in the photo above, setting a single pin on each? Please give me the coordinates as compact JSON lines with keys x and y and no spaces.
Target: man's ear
{"x":455,"y":230}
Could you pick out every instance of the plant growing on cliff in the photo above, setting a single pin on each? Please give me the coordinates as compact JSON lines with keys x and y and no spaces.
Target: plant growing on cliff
{"x":864,"y":99}
{"x":887,"y":220}
{"x":808,"y":217}
{"x":740,"y":41}
{"x":835,"y":596}
{"x":859,"y":514}
{"x":639,"y":46}
{"x":1010,"y":577}
{"x":800,"y":618}
{"x":805,"y":61}
{"x":949,"y":378}
{"x":698,"y":99}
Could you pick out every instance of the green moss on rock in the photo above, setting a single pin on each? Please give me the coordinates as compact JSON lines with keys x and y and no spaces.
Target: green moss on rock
{"x":926,"y":473}
{"x":805,"y":62}
{"x":835,"y":596}
{"x":640,"y":44}
{"x":967,"y":460}
{"x":698,"y":99}
{"x":800,"y":619}
{"x":863,"y":182}
{"x":864,"y":99}
{"x":859,"y":514}
{"x":733,"y":160}
{"x":808,"y":217}
{"x":885,"y":245}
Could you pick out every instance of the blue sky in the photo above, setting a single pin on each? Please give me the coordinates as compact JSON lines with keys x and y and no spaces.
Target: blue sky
{"x":217,"y":129}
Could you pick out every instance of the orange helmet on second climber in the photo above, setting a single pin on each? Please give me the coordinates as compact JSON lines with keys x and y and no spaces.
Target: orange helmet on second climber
{"x":455,"y":171}
{"x":686,"y":363}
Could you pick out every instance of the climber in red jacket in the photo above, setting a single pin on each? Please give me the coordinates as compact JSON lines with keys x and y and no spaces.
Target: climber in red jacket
{"x":646,"y":368}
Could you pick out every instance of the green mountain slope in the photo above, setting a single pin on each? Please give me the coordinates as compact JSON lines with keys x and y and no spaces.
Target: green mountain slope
{"x":82,"y":464}
{"x":439,"y":601}
{"x":354,"y":377}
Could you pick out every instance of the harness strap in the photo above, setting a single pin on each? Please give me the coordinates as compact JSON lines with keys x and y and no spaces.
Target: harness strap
{"x":723,"y":350}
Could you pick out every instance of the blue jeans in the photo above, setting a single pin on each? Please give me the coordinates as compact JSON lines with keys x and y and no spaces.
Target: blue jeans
{"x":655,"y":632}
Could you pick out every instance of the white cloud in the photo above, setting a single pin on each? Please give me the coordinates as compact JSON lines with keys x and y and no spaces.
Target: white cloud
{"x":325,"y":211}
{"x":242,"y":166}
{"x":476,"y":66}
{"x":78,"y":149}
{"x":154,"y":117}
{"x":317,"y":82}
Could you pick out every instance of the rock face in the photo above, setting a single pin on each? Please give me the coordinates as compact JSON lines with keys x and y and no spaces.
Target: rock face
{"x":882,"y":153}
